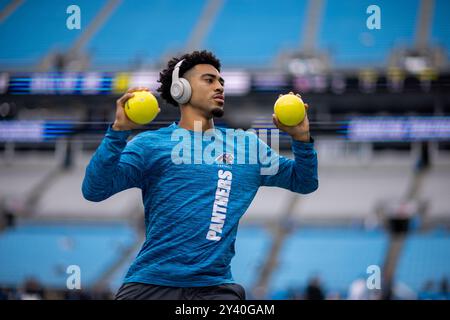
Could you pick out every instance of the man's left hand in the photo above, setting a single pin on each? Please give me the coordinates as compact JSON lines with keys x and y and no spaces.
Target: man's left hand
{"x":299,"y":132}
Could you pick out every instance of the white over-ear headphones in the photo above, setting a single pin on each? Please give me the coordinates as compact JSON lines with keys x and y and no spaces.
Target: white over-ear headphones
{"x":180,"y":90}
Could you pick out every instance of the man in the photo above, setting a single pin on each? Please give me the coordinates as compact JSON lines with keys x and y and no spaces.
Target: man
{"x":192,"y":210}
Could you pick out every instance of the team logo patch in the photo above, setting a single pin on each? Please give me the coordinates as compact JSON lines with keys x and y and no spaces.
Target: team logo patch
{"x":225,"y":158}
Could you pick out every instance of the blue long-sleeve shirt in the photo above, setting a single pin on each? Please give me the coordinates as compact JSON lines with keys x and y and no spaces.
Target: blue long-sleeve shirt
{"x":192,"y":210}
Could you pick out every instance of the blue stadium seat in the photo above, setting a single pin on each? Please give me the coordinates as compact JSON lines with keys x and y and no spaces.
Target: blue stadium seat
{"x":425,"y":257}
{"x":245,"y":33}
{"x":4,"y":3}
{"x":37,"y":27}
{"x":144,"y":31}
{"x":251,"y":33}
{"x":440,"y":34}
{"x":345,"y":35}
{"x":337,"y":256}
{"x":44,"y":251}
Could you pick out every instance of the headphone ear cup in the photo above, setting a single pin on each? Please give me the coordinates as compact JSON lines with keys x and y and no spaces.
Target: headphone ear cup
{"x":176,"y":90}
{"x":187,"y":91}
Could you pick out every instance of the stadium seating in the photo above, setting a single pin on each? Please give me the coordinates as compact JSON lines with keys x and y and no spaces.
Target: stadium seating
{"x":440,"y":34}
{"x":243,"y":34}
{"x":351,"y":190}
{"x":326,"y":253}
{"x":435,"y":191}
{"x":269,"y":204}
{"x":39,"y":27}
{"x":247,"y":33}
{"x":63,"y":198}
{"x":152,"y":29}
{"x":352,"y":44}
{"x":348,"y":189}
{"x":4,"y":3}
{"x":24,"y":173}
{"x":45,"y":250}
{"x":425,"y":257}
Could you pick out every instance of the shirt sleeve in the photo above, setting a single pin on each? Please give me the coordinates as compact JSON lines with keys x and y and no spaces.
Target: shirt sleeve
{"x":115,"y":166}
{"x":299,"y":174}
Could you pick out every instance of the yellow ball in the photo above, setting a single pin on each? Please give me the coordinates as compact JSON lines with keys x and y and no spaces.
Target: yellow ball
{"x":290,"y":110}
{"x":142,"y":108}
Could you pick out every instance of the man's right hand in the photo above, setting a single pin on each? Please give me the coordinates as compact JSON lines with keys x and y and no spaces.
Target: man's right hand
{"x":122,"y":122}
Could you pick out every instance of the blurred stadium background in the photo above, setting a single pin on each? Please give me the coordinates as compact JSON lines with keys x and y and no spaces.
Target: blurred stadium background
{"x":380,"y":106}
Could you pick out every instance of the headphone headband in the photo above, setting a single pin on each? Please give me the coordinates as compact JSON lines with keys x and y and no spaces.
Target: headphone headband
{"x":176,"y":71}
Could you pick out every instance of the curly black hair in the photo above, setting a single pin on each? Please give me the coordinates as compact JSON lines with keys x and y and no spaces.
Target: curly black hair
{"x":190,"y":60}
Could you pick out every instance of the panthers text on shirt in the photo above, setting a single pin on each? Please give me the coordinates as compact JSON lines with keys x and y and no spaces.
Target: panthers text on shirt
{"x":220,"y":205}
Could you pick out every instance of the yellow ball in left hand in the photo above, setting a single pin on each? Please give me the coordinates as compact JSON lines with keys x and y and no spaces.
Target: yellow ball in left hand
{"x":142,"y":108}
{"x":290,"y":110}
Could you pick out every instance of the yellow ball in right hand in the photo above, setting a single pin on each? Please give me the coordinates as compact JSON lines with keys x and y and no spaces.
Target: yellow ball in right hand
{"x":142,"y":108}
{"x":290,"y":110}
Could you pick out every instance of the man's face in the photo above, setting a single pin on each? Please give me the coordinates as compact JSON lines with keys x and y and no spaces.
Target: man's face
{"x":207,"y":89}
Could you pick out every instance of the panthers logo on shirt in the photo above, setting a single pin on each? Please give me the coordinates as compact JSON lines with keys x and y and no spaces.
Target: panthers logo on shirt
{"x":225,"y":158}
